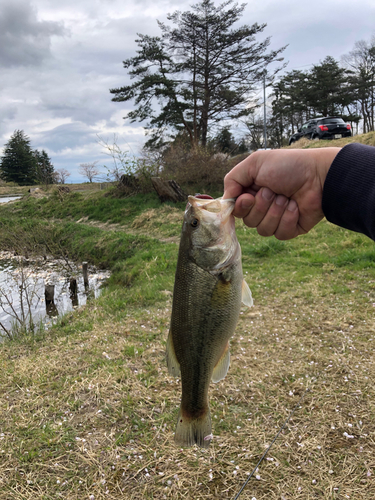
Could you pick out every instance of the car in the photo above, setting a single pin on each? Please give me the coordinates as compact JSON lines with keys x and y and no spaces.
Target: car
{"x":330,"y":127}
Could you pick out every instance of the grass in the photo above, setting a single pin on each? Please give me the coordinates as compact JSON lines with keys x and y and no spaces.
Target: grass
{"x":88,"y":409}
{"x":368,"y":139}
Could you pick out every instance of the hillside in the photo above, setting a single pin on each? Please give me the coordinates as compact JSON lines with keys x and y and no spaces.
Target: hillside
{"x":368,"y":139}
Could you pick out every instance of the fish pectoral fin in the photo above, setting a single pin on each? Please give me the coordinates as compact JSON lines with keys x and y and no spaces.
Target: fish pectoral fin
{"x":172,"y":363}
{"x":222,"y":366}
{"x":247,"y":299}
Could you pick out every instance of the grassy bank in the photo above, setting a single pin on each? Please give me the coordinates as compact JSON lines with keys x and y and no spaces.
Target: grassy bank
{"x":88,"y":410}
{"x":367,"y":139}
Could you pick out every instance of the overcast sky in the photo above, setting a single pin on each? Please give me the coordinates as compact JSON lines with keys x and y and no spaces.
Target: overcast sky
{"x":58,"y":60}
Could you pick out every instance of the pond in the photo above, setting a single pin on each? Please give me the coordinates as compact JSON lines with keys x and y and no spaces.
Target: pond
{"x":5,"y":199}
{"x":25,"y":287}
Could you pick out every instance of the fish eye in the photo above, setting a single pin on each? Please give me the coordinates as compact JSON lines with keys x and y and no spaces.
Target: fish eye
{"x":194,"y":222}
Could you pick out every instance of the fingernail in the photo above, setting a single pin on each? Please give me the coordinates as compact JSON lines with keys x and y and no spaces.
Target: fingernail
{"x":267,"y":194}
{"x":292,"y":206}
{"x":280,"y":200}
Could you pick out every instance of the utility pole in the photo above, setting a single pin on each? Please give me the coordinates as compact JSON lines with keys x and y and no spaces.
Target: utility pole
{"x":264,"y":108}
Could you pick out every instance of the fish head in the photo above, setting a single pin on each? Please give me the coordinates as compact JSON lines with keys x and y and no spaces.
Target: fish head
{"x":210,"y":229}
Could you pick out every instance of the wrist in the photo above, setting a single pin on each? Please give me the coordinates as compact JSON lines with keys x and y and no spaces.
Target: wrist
{"x":323,"y":161}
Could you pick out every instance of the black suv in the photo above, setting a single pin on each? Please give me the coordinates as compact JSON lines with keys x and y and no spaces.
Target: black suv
{"x":330,"y":127}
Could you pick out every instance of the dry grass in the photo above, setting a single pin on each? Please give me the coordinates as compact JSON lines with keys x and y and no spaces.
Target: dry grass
{"x":92,"y":414}
{"x":89,"y":411}
{"x":368,"y":139}
{"x":163,"y":222}
{"x":7,"y":189}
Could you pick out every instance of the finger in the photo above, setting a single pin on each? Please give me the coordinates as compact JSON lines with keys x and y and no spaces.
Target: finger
{"x":288,"y":227}
{"x":272,"y":218}
{"x":263,"y":201}
{"x":244,"y":204}
{"x":238,"y":179}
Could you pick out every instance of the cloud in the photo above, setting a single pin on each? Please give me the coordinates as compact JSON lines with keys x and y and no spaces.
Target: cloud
{"x":24,"y":40}
{"x":327,"y":28}
{"x":8,"y":111}
{"x":58,"y":61}
{"x":72,"y":143}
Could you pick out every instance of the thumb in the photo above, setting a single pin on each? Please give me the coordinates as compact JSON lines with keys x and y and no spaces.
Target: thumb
{"x":237,"y":180}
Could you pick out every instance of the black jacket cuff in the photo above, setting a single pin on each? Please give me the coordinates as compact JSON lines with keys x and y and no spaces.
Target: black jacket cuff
{"x":349,"y":189}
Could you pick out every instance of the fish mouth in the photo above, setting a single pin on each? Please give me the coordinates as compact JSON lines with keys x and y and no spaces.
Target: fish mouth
{"x":211,"y":205}
{"x":217,"y":212}
{"x":203,"y":196}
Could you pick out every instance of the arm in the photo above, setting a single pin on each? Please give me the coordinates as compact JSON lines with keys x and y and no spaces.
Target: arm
{"x":349,"y":190}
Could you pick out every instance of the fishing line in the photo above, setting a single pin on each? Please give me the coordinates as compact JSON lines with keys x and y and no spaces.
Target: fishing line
{"x":274,"y":439}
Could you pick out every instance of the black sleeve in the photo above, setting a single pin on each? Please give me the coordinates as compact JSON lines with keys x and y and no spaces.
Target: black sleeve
{"x":349,"y":189}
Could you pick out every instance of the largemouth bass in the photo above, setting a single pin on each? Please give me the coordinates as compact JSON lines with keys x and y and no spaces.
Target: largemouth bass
{"x":208,"y":291}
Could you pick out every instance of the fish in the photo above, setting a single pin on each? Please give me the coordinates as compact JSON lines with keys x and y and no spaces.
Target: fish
{"x":207,"y":295}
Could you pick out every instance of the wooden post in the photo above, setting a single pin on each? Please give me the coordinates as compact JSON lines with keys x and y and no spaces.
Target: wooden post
{"x":73,"y":286}
{"x":85,"y":274}
{"x":49,"y":293}
{"x":73,"y":291}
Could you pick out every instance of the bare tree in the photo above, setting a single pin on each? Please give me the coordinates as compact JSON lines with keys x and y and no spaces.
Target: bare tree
{"x":60,"y":175}
{"x":361,"y":63}
{"x":89,"y":170}
{"x":123,"y":161}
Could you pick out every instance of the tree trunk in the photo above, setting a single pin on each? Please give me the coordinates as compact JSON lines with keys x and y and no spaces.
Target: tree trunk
{"x":168,"y":190}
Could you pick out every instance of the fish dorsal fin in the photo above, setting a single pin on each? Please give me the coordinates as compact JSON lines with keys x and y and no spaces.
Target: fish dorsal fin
{"x":222,"y":366}
{"x":172,"y":363}
{"x":247,"y":299}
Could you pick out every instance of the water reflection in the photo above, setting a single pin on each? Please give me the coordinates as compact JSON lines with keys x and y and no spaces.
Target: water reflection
{"x":40,"y":291}
{"x":5,"y":199}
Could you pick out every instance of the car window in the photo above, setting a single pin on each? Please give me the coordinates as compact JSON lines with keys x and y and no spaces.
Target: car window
{"x":331,"y":120}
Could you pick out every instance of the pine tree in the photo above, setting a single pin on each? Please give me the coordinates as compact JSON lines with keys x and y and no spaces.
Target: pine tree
{"x":328,"y":91}
{"x":18,"y":163}
{"x":200,"y":71}
{"x":44,"y":168}
{"x":225,"y":142}
{"x":298,"y":96}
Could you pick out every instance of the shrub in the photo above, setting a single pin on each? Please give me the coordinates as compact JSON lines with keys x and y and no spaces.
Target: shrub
{"x":197,"y":168}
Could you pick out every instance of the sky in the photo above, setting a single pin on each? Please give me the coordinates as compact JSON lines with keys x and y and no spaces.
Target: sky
{"x":58,"y":60}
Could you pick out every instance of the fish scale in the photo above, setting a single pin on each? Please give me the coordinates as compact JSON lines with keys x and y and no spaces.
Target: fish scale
{"x":207,"y":297}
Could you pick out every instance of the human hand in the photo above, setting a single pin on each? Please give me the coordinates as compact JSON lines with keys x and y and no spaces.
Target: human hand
{"x":280,"y":191}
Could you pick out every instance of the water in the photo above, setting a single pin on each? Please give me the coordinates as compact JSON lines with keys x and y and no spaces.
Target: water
{"x":22,"y":287}
{"x":5,"y":199}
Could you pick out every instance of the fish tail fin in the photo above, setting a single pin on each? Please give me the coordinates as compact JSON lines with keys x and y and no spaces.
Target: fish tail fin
{"x":197,"y":430}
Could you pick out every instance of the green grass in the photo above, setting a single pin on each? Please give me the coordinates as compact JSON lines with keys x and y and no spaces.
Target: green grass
{"x":93,"y":205}
{"x":88,"y":408}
